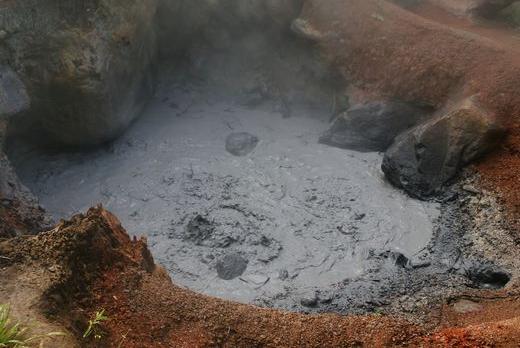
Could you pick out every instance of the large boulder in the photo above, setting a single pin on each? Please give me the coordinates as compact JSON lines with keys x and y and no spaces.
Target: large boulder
{"x":372,"y":126}
{"x":86,"y":63}
{"x":424,"y":158}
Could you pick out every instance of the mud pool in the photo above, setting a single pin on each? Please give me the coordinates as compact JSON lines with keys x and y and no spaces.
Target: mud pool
{"x":285,"y":225}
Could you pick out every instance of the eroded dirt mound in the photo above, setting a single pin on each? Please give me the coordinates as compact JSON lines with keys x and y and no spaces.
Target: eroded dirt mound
{"x":89,"y":263}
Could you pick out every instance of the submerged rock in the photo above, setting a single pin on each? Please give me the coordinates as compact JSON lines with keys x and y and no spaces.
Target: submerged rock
{"x":231,"y":266}
{"x":372,"y":126}
{"x":241,"y":144}
{"x":424,"y":158}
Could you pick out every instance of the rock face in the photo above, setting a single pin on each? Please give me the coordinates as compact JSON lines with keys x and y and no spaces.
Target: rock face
{"x":424,"y":158}
{"x":471,"y":7}
{"x":86,"y":63}
{"x":13,"y":96}
{"x":372,"y":126}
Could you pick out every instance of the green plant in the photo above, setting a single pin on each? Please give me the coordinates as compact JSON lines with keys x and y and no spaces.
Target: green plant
{"x":15,"y":335}
{"x":94,"y":325}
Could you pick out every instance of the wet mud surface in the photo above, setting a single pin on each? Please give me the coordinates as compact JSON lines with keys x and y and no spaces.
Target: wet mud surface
{"x":243,"y":203}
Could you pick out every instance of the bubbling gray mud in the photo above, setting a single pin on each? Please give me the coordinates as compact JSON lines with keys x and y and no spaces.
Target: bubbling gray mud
{"x":286,"y":225}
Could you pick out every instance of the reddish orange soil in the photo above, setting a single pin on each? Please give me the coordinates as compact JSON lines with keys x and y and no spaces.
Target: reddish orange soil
{"x":96,"y":265}
{"x":434,"y":60}
{"x":500,"y":170}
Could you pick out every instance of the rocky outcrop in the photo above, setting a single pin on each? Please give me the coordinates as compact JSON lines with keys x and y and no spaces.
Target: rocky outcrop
{"x":372,"y":126}
{"x":86,"y":64}
{"x":429,"y":155}
{"x":13,"y":96}
{"x":20,"y":212}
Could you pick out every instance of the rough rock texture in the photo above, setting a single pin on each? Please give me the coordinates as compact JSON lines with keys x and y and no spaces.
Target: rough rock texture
{"x":424,"y":158}
{"x":435,"y":60}
{"x":13,"y":96}
{"x":372,"y":126}
{"x":20,"y":212}
{"x":472,"y":7}
{"x":86,"y":64}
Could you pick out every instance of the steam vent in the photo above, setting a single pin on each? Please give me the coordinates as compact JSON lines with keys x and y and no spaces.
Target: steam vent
{"x":259,"y":173}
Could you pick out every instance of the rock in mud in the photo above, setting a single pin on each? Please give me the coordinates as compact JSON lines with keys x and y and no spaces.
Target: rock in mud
{"x":309,"y":301}
{"x":13,"y":96}
{"x":424,"y":158}
{"x":372,"y":126}
{"x":231,"y":266}
{"x":241,"y":144}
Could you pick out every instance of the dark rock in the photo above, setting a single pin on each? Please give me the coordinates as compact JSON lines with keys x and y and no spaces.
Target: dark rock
{"x":199,"y":229}
{"x":241,"y":144}
{"x":397,"y":258}
{"x":13,"y":96}
{"x":372,"y":126}
{"x":488,"y":277}
{"x":309,"y":301}
{"x":231,"y":266}
{"x":87,"y":64}
{"x":424,"y":158}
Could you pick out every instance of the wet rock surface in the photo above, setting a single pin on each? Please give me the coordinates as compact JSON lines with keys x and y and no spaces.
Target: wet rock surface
{"x":86,"y":64}
{"x":13,"y":95}
{"x":241,"y":144}
{"x":423,"y":159}
{"x":231,"y":266}
{"x":372,"y":126}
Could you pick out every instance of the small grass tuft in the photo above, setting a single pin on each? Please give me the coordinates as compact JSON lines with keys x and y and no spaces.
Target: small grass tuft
{"x":94,"y":325}
{"x":15,"y":335}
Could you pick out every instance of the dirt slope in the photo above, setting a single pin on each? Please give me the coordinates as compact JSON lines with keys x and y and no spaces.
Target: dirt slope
{"x":391,"y":51}
{"x":90,"y":263}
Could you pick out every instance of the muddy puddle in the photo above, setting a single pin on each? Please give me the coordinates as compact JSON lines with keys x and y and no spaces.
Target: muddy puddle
{"x":224,"y":174}
{"x":285,"y":219}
